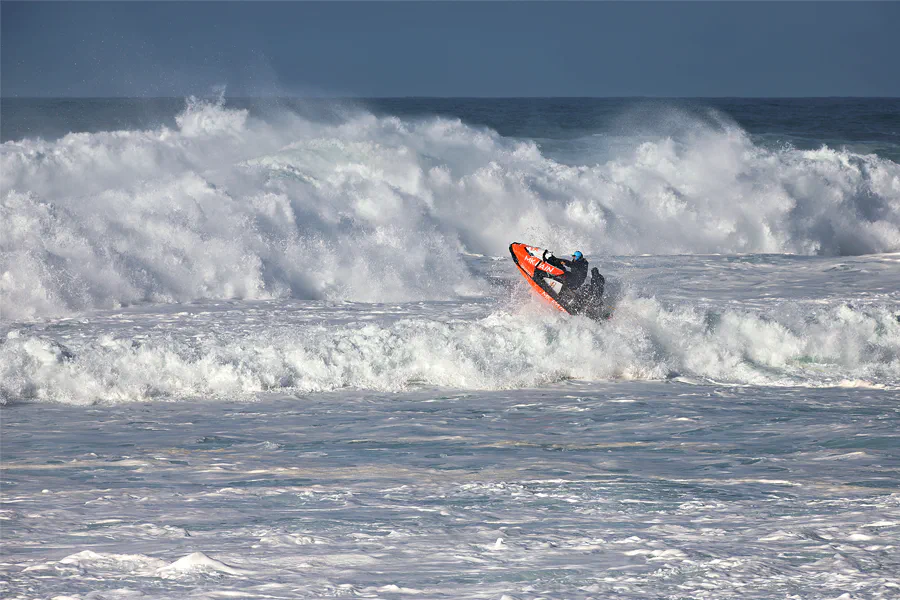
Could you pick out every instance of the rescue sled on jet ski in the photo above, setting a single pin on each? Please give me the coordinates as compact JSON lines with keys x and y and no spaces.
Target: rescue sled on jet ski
{"x":549,"y":283}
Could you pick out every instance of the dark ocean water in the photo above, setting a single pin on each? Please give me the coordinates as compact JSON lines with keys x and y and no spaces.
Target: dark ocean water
{"x":866,"y":125}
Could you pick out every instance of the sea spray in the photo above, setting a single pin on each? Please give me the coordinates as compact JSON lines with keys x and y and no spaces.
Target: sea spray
{"x":379,"y":208}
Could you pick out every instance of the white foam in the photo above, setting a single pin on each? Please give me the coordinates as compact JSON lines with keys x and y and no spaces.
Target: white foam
{"x":379,"y":209}
{"x":107,"y":563}
{"x":396,"y":589}
{"x":661,"y":555}
{"x":197,"y":562}
{"x":645,"y":340}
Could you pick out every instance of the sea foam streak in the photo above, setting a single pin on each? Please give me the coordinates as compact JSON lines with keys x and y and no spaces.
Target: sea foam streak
{"x":646,"y":340}
{"x":378,"y":209}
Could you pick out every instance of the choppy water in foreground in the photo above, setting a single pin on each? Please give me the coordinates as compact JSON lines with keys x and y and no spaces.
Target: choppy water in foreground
{"x":631,"y":490}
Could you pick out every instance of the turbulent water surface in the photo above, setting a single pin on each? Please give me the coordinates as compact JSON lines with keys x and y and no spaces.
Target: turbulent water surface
{"x":279,"y":350}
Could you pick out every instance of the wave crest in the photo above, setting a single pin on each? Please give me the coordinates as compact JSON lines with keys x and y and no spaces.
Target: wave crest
{"x":228,"y":206}
{"x":646,"y":341}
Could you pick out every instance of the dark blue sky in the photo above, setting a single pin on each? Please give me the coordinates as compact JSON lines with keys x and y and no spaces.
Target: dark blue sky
{"x":451,"y":49}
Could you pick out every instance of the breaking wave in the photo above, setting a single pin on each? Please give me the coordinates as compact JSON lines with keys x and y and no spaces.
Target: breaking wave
{"x":645,"y":341}
{"x":378,"y":209}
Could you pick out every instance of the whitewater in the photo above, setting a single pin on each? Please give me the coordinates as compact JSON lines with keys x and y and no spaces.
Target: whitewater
{"x":261,"y":354}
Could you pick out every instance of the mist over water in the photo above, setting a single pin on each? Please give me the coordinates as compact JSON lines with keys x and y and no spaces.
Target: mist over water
{"x":378,"y":208}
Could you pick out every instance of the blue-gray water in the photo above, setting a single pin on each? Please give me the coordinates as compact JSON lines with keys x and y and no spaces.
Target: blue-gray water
{"x":626,"y":490}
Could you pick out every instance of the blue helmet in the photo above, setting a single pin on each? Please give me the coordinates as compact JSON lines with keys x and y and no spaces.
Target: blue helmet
{"x":577,"y":255}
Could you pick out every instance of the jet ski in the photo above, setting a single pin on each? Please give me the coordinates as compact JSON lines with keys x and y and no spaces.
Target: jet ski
{"x":548,"y":282}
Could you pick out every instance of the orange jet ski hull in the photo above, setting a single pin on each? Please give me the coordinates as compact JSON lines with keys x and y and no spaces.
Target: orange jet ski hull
{"x":527,"y":259}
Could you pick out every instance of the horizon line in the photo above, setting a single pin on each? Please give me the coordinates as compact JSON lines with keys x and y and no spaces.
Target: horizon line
{"x":428,"y":97}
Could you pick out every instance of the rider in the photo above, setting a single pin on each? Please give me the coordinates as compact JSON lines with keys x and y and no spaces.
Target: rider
{"x":576,"y":269}
{"x":576,"y":272}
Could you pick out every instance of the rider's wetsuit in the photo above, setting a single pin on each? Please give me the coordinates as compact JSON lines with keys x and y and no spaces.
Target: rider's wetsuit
{"x":575,"y":273}
{"x":576,"y":270}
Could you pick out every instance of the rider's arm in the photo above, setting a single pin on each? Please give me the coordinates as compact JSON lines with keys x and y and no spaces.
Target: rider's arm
{"x":559,"y":263}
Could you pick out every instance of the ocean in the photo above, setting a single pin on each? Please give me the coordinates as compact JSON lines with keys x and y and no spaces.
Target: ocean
{"x":277,"y":348}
